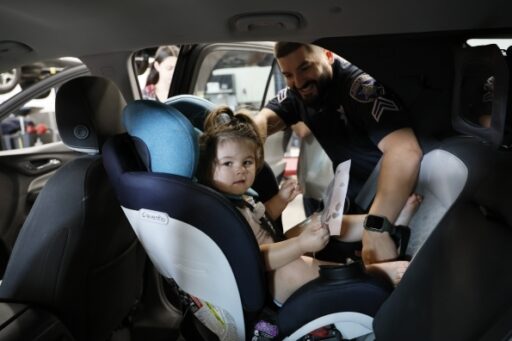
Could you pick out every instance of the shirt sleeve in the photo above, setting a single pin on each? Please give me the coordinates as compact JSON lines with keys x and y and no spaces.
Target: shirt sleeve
{"x":285,"y":107}
{"x":376,"y":108}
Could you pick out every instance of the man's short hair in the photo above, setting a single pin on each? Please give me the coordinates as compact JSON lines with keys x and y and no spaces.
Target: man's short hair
{"x":284,"y":48}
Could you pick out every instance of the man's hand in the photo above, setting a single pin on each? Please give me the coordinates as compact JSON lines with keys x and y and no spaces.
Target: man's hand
{"x":268,"y":122}
{"x":378,"y":247}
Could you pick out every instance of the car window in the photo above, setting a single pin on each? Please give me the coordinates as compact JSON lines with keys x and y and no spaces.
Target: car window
{"x":226,"y":76}
{"x":478,"y":84}
{"x":244,"y":78}
{"x":33,"y":122}
{"x":241,"y":77}
{"x":155,"y":70}
{"x":237,"y":78}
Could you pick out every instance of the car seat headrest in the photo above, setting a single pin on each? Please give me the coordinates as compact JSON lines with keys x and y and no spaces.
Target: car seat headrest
{"x":481,"y":87}
{"x":193,"y":107}
{"x":170,"y":140}
{"x":88,"y":110}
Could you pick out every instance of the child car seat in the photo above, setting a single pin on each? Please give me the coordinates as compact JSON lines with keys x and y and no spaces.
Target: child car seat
{"x":195,"y":236}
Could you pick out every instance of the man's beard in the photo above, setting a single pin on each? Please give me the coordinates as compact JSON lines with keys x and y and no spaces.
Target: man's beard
{"x":321,"y":85}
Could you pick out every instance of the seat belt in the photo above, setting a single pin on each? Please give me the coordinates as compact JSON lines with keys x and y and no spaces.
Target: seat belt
{"x":365,"y":196}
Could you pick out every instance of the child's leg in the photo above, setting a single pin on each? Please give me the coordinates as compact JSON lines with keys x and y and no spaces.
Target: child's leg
{"x":410,"y":207}
{"x":392,"y":271}
{"x":287,"y":279}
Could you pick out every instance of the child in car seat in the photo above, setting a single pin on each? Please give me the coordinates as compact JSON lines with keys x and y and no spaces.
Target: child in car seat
{"x":231,"y":153}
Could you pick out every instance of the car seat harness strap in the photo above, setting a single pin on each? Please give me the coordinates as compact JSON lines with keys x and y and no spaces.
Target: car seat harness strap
{"x":258,"y":210}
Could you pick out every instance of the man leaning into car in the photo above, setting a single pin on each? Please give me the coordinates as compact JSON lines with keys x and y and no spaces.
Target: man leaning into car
{"x":353,"y":117}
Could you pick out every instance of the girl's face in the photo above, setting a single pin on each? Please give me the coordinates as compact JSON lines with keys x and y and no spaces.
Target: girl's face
{"x":235,"y":168}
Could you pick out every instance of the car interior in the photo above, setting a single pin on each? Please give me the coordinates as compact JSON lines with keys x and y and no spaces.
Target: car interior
{"x":105,"y":234}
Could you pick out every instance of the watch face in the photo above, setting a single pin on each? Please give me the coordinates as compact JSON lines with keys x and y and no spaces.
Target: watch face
{"x":374,"y":222}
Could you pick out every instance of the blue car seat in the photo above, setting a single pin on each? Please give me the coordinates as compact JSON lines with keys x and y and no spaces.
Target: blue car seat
{"x":195,"y":236}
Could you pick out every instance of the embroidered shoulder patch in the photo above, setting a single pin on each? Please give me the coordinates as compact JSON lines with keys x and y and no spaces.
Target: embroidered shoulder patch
{"x":365,"y":89}
{"x":281,"y":95}
{"x":382,"y":104}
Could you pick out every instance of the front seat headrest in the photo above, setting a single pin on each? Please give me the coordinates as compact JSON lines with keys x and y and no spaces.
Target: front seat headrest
{"x":166,"y":140}
{"x":88,"y":110}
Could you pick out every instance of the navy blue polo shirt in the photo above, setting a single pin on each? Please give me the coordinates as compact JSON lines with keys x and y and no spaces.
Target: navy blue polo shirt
{"x":348,"y":121}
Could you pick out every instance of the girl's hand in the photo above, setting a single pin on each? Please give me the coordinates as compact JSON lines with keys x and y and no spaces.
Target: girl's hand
{"x":314,"y":220}
{"x":313,"y":238}
{"x":289,"y":190}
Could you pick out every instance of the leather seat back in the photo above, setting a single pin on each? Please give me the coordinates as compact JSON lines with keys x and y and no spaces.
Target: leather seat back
{"x":76,"y":254}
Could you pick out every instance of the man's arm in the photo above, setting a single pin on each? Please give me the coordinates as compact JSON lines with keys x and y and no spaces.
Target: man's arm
{"x":268,"y":122}
{"x":301,"y":130}
{"x":399,"y":171}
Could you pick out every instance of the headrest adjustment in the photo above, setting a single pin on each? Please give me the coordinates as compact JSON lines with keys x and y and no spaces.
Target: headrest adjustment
{"x":81,"y":132}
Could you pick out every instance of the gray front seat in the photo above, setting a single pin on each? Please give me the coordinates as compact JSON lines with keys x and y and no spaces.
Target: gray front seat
{"x":76,"y":255}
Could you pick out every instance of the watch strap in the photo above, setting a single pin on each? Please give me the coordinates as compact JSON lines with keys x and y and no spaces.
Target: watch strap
{"x":402,"y":234}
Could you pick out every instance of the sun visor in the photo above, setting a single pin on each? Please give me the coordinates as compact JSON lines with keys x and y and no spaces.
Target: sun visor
{"x":480,"y":94}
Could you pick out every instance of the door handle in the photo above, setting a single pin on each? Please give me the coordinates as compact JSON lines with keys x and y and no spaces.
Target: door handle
{"x":51,"y":163}
{"x":40,"y":166}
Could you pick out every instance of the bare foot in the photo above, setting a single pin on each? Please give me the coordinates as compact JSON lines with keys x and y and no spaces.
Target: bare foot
{"x":392,"y":271}
{"x":410,"y":207}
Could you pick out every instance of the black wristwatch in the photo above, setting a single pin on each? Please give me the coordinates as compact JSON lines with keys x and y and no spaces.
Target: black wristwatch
{"x":377,"y":223}
{"x":399,"y":234}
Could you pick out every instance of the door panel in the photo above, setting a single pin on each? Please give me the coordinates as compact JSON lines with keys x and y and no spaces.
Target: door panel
{"x":22,"y":176}
{"x":31,"y":151}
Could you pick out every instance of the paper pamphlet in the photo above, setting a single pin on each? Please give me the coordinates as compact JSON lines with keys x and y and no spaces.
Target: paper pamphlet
{"x":332,"y":215}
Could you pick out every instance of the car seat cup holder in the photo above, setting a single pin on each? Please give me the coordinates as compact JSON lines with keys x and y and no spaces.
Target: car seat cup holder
{"x":344,"y":295}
